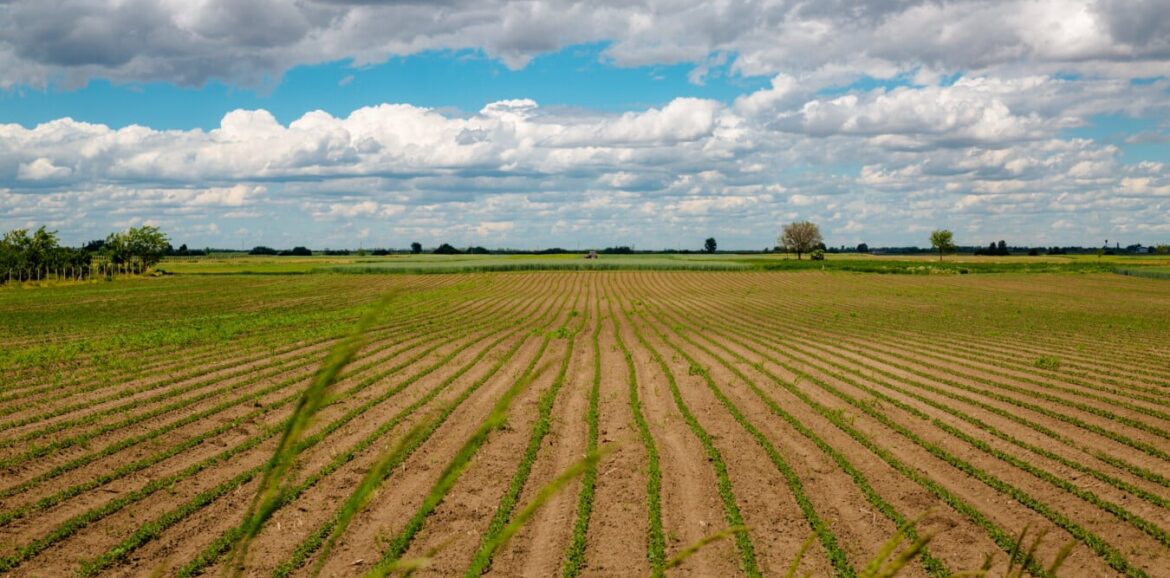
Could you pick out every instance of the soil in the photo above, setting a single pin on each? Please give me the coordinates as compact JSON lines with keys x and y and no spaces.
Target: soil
{"x":893,"y":343}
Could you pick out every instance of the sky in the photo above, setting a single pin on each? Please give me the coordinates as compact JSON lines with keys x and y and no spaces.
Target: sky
{"x":538,"y":124}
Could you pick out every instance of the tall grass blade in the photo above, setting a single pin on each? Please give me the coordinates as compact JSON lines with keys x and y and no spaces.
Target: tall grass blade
{"x":458,"y":464}
{"x":1062,"y":555}
{"x":882,"y":566}
{"x":275,"y":475}
{"x":693,"y":548}
{"x":808,"y":542}
{"x":366,"y":490}
{"x":544,"y":495}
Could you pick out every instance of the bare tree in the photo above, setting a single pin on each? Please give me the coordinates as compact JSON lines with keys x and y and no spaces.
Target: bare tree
{"x":800,"y":237}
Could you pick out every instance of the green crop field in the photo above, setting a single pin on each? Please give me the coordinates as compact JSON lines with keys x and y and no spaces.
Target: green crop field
{"x":735,"y":410}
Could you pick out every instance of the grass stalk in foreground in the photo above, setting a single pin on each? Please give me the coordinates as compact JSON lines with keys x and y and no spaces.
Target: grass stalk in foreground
{"x":275,"y":474}
{"x":458,"y":464}
{"x":542,"y":496}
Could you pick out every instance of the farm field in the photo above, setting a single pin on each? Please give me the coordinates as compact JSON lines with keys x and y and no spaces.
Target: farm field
{"x":136,"y":418}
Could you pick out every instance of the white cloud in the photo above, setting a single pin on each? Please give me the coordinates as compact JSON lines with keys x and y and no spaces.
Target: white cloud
{"x":980,"y":135}
{"x":247,"y":41}
{"x":41,"y":169}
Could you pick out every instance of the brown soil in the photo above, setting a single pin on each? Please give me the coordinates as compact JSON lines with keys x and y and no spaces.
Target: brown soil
{"x":822,"y":332}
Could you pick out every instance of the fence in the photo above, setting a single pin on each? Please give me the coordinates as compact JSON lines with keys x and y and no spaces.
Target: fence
{"x":68,"y":272}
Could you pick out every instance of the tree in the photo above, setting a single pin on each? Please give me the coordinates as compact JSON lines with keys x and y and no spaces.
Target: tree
{"x":447,"y":249}
{"x":39,"y":255}
{"x":148,"y":244}
{"x":942,"y":240}
{"x":140,"y":247}
{"x":416,"y":247}
{"x":1001,"y":248}
{"x":709,"y":245}
{"x":800,"y":237}
{"x":862,"y":248}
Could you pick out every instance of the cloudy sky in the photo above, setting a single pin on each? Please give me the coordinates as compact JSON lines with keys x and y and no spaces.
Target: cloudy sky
{"x":339,"y":123}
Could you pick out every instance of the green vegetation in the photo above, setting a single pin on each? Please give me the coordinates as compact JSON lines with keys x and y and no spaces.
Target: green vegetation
{"x":731,"y":511}
{"x":943,"y":241}
{"x":655,"y":538}
{"x":575,"y":556}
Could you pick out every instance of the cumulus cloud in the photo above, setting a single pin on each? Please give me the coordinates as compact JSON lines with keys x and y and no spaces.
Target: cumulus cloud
{"x":248,"y":41}
{"x":515,"y":174}
{"x":882,"y":119}
{"x":41,"y":169}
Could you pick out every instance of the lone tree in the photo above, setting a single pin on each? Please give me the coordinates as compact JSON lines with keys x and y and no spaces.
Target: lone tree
{"x":416,"y":247}
{"x":709,"y":245}
{"x":942,"y":240}
{"x":800,"y":237}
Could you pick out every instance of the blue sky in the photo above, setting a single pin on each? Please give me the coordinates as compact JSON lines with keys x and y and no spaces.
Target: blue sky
{"x":537,"y":124}
{"x":462,"y":80}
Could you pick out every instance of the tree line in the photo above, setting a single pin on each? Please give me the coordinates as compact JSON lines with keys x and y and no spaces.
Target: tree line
{"x":38,"y":255}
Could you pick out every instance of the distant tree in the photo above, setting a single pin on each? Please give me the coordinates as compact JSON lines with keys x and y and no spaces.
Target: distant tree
{"x":800,"y":237}
{"x":478,"y":251}
{"x":619,"y":250}
{"x":1002,"y":248}
{"x":709,"y":245}
{"x":862,"y":248}
{"x":262,"y":250}
{"x":942,"y":240}
{"x":416,"y":247}
{"x":1162,"y":250}
{"x":147,"y":244}
{"x":446,"y":249}
{"x":139,"y":248}
{"x":39,"y":255}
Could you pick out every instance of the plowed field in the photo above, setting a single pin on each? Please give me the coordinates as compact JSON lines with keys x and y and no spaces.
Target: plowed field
{"x":136,"y":418}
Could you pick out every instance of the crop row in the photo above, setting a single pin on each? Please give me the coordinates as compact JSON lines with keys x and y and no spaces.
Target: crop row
{"x":73,"y":525}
